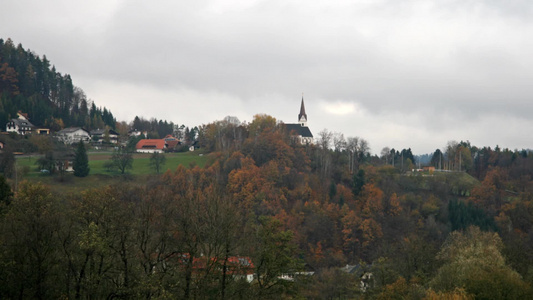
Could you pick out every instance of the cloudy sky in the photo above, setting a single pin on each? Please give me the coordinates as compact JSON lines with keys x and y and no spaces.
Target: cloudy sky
{"x":397,"y":73}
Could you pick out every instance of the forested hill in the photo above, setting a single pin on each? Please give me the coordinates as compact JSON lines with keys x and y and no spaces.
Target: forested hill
{"x":32,"y":85}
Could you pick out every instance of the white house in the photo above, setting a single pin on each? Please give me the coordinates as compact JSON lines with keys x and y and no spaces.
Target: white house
{"x":21,"y":125}
{"x":365,"y":276}
{"x":135,"y":133}
{"x":73,"y":135}
{"x":99,"y":135}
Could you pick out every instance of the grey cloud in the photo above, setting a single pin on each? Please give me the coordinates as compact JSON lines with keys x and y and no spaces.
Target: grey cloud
{"x":443,"y":64}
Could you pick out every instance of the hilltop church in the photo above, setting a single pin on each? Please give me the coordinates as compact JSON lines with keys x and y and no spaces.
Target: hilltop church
{"x":299,"y":130}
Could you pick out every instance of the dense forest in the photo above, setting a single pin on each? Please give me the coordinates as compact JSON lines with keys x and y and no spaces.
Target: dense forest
{"x":268,"y":206}
{"x":29,"y":83}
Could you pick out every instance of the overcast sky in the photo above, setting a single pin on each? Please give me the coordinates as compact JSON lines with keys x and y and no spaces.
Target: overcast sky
{"x":396,"y":73}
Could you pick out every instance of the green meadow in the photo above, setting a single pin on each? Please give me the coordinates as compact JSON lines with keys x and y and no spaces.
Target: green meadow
{"x":99,"y":176}
{"x":141,"y":162}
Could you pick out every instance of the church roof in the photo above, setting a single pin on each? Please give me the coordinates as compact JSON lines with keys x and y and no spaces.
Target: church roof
{"x":299,"y":129}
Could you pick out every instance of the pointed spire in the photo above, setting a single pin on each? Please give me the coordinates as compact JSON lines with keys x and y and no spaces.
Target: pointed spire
{"x":302,"y":107}
{"x":302,"y":117}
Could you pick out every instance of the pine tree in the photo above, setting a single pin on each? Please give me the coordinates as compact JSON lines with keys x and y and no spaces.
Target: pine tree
{"x":5,"y":192}
{"x":81,"y":161}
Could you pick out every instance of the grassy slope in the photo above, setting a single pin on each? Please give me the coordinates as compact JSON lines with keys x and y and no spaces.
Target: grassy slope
{"x":141,"y":162}
{"x":460,"y":183}
{"x":100,"y":177}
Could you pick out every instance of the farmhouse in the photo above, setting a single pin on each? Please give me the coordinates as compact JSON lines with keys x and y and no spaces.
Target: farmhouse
{"x":150,"y":146}
{"x":20,"y":125}
{"x":73,"y":135}
{"x":102,"y":136}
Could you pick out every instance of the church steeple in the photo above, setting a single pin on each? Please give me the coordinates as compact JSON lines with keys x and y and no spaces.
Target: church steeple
{"x":302,"y":117}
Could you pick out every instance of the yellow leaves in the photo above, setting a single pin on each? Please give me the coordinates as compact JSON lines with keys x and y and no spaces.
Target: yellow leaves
{"x":491,"y":191}
{"x":473,"y":261}
{"x":344,"y":195}
{"x":372,"y":200}
{"x":395,"y":207}
{"x":262,"y":123}
{"x":370,"y":230}
{"x":430,"y":206}
{"x":317,"y":253}
{"x":359,"y":231}
{"x":8,"y":79}
{"x":245,"y":183}
{"x":350,"y":223}
{"x":90,"y":239}
{"x":399,"y":288}
{"x":473,"y":244}
{"x":456,"y":294}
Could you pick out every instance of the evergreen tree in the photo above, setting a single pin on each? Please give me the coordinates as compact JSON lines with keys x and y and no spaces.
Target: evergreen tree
{"x":81,"y":161}
{"x":5,"y":192}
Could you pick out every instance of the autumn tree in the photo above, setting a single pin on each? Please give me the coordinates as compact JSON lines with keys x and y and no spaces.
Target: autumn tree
{"x":8,"y":79}
{"x":473,"y":261}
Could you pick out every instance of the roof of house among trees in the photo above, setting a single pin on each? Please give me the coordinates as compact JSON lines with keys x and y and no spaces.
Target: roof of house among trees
{"x":22,"y":122}
{"x":71,"y":130}
{"x":151,"y":144}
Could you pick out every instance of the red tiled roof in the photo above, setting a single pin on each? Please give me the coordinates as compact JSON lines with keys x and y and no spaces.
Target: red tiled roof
{"x":151,"y":144}
{"x":172,"y":144}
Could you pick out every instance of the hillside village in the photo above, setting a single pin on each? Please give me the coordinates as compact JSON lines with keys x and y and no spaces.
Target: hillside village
{"x":134,"y":141}
{"x":99,"y":138}
{"x":105,"y":138}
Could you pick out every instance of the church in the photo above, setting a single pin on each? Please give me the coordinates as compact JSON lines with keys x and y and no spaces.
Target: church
{"x":299,"y":130}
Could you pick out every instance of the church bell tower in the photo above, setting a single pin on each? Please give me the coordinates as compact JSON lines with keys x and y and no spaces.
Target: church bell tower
{"x":302,"y":117}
